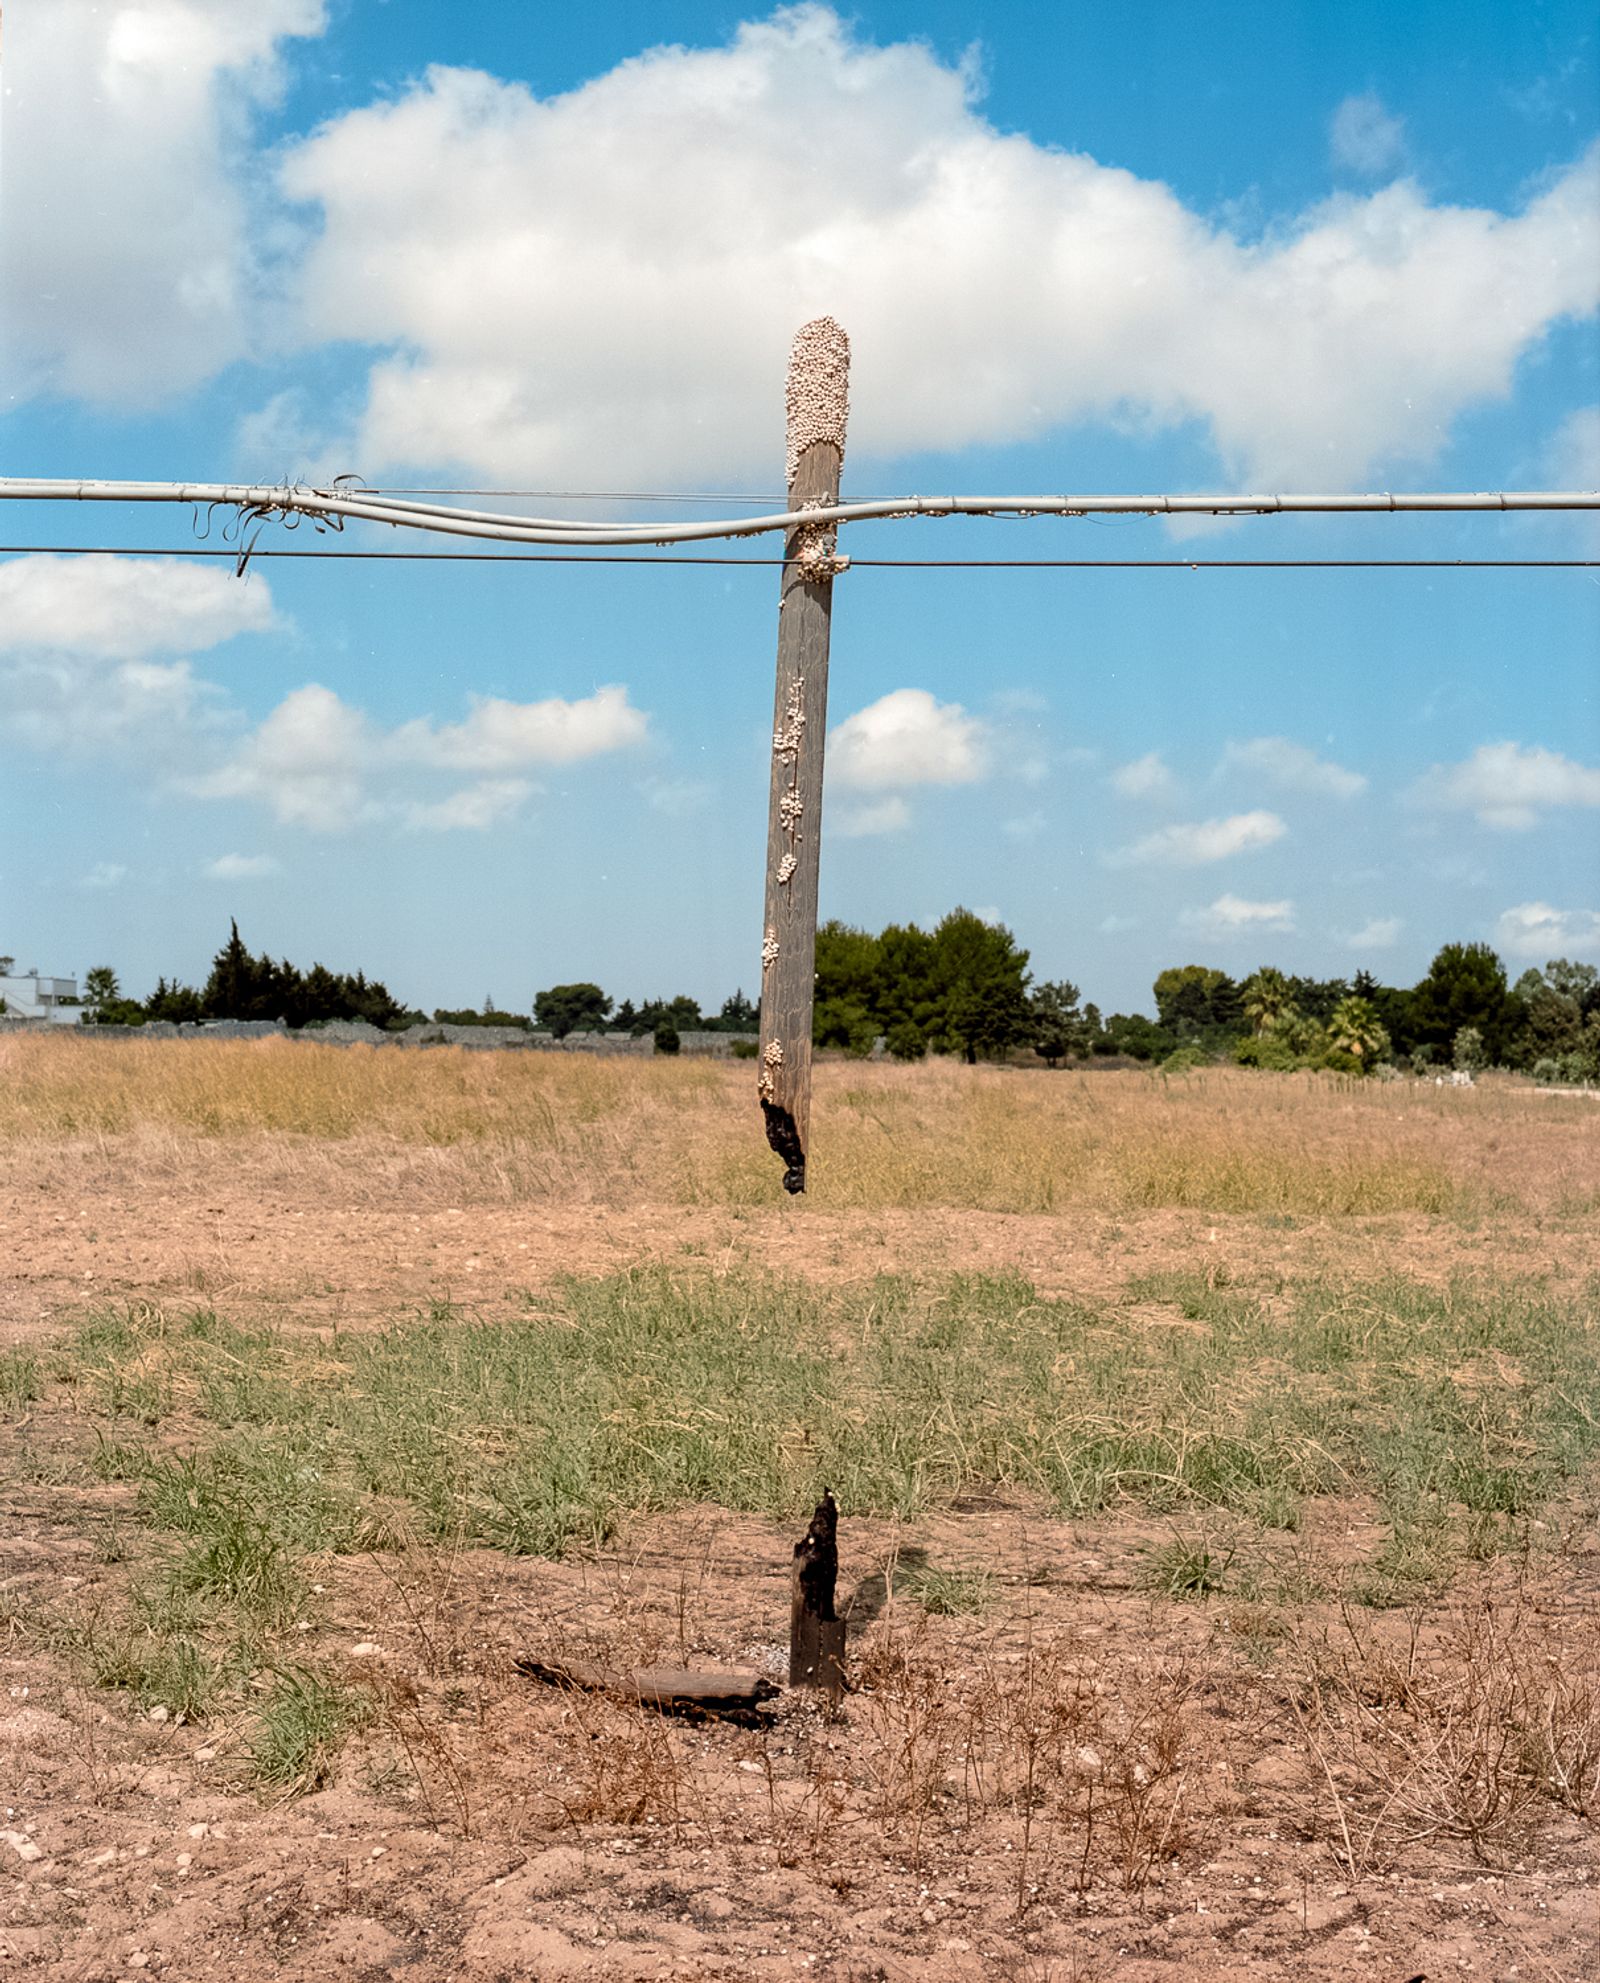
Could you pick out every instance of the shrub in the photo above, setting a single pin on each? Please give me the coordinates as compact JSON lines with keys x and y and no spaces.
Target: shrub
{"x":744,"y":1049}
{"x":1266,"y":1050}
{"x":667,"y":1040}
{"x":905,"y":1041}
{"x":1185,"y":1060}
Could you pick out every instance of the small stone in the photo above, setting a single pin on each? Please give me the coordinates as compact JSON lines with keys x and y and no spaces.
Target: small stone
{"x":366,"y":1650}
{"x":160,"y":1714}
{"x":22,"y":1845}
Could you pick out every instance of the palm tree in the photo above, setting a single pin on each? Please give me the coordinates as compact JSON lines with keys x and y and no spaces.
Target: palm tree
{"x":1354,"y":1028}
{"x":1268,"y":1001}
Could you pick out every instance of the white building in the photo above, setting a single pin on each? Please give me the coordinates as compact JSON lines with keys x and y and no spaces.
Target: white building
{"x":29,"y":996}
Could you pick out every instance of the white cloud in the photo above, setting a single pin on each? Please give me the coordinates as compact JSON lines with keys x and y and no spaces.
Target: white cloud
{"x":305,"y":761}
{"x":122,"y":609}
{"x":473,"y":809}
{"x":126,"y":259}
{"x":907,"y":738}
{"x":241,"y":867}
{"x":1380,"y":933}
{"x":499,"y":735}
{"x":859,"y":822}
{"x":1508,"y":785}
{"x":77,"y":641}
{"x":1114,"y":925}
{"x":1231,"y":913}
{"x":1146,"y":777}
{"x":1363,"y":137}
{"x":629,"y":316}
{"x":319,"y":762}
{"x":1293,"y":768}
{"x":1197,"y":842}
{"x":1535,"y":929}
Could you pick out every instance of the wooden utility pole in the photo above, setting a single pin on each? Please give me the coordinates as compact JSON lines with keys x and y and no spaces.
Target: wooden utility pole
{"x":818,"y":402}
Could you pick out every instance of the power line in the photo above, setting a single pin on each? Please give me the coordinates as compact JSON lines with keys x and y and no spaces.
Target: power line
{"x":259,"y":504}
{"x":852,"y":564}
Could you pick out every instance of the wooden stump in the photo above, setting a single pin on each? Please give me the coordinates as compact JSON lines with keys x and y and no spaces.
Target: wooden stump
{"x":816,"y":1632}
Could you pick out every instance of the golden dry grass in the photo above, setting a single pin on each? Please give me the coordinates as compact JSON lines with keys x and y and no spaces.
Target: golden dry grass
{"x":512,"y":1127}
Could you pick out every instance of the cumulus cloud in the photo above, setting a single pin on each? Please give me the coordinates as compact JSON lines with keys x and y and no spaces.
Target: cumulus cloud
{"x":1231,"y":913}
{"x":1379,"y":933}
{"x":1363,"y":137}
{"x":1509,"y":785}
{"x":1194,"y":843}
{"x":1536,"y":930}
{"x":319,"y":762}
{"x":121,"y":609}
{"x":907,"y":738}
{"x":79,"y":639}
{"x":859,"y":822}
{"x":104,"y":875}
{"x":126,"y":259}
{"x":1146,"y":777}
{"x":1292,"y":767}
{"x":241,"y":867}
{"x":630,"y":316}
{"x":498,"y":735}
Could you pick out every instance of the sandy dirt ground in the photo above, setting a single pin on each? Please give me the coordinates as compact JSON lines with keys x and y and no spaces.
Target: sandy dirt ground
{"x":485,"y":1827}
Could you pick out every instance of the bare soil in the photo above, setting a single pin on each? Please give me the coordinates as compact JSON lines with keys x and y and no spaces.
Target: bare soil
{"x":485,"y":1827}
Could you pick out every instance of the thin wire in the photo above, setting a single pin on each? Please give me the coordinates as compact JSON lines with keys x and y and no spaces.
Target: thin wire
{"x":852,"y":564}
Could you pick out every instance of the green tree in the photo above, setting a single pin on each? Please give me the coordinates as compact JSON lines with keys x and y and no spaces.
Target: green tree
{"x":104,"y":1003}
{"x":738,"y":1015}
{"x":845,"y":1008}
{"x":564,"y":1009}
{"x":1354,"y":1028}
{"x":1059,"y":1028}
{"x":980,"y":981}
{"x":1466,"y":985}
{"x":1268,"y":1001}
{"x":100,"y":988}
{"x":1193,"y":999}
{"x":177,"y":1004}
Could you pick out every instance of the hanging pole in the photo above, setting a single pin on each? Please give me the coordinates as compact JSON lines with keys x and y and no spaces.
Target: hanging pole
{"x":818,"y":402}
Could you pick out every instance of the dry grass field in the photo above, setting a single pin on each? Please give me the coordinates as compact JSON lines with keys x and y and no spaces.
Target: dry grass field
{"x":1217,"y":1456}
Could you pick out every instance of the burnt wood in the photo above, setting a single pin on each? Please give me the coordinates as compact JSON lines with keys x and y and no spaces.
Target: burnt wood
{"x":816,"y":1632}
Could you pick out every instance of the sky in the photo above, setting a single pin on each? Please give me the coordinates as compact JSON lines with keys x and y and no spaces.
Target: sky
{"x":563,"y":251}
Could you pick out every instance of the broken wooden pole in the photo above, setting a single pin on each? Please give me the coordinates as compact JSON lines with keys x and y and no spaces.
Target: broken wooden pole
{"x":818,"y":401}
{"x":816,"y":1633}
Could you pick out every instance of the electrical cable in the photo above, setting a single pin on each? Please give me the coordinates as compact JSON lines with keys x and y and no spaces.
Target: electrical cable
{"x":343,"y":502}
{"x":851,"y":564}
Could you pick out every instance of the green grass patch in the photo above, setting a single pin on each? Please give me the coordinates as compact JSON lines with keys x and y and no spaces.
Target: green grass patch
{"x":650,"y":1390}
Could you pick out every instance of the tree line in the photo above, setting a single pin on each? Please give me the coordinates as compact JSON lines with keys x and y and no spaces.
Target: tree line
{"x":965,"y":988}
{"x":242,"y":985}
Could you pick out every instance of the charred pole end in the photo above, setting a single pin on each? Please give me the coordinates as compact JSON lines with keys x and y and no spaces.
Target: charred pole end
{"x":817,"y":401}
{"x":816,"y":1632}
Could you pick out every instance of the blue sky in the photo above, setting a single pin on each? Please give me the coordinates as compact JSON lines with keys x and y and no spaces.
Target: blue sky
{"x":1076,"y":248}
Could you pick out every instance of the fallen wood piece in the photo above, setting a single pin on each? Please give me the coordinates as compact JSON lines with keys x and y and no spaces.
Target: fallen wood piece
{"x":672,"y":1689}
{"x":816,"y":1632}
